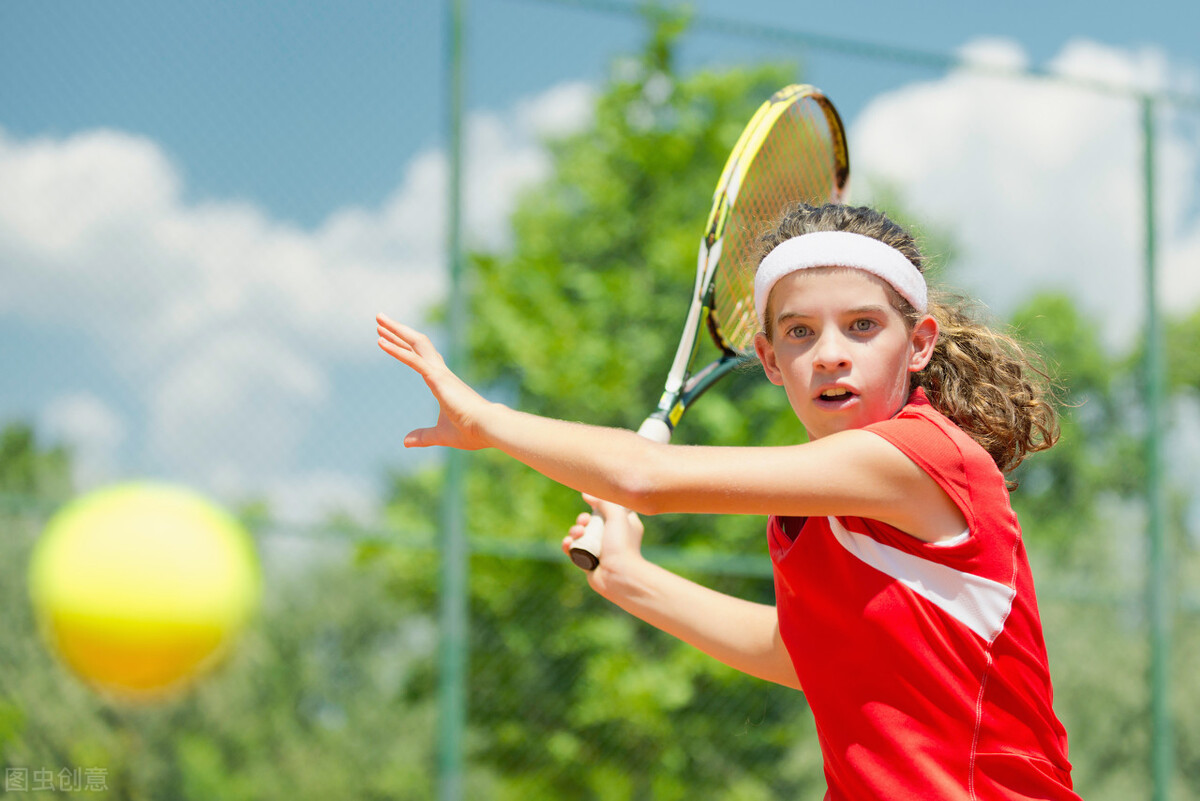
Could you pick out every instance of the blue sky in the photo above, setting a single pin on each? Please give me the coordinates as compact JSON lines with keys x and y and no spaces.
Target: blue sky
{"x":202,"y":204}
{"x":307,"y":106}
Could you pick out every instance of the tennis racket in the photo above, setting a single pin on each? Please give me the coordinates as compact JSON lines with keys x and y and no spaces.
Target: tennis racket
{"x":792,"y":151}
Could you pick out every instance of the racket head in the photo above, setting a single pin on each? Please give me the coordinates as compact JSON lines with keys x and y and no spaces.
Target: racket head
{"x":792,"y":151}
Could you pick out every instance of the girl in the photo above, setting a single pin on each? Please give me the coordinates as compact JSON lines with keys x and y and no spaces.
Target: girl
{"x":904,"y":605}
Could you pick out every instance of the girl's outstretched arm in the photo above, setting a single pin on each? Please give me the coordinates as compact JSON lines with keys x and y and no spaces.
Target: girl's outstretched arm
{"x":853,"y":473}
{"x":736,"y":632}
{"x":739,"y":633}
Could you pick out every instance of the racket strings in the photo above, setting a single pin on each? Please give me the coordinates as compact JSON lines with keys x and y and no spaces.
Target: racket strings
{"x":796,"y":161}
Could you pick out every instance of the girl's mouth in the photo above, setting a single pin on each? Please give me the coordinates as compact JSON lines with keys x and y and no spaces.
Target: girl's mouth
{"x":835,"y":398}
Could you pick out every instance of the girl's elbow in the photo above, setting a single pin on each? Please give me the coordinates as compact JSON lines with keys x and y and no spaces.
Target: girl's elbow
{"x":639,"y":493}
{"x":640,"y":487}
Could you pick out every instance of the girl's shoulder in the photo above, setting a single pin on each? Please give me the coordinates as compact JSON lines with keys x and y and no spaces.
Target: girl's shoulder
{"x":959,"y":464}
{"x":921,"y":428}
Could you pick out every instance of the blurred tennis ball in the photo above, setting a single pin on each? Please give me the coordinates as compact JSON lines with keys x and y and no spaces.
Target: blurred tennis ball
{"x":142,"y":587}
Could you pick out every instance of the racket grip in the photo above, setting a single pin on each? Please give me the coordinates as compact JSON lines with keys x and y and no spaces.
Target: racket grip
{"x":585,"y":553}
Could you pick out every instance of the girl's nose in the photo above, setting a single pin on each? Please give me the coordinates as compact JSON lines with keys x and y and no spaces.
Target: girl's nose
{"x":831,"y":352}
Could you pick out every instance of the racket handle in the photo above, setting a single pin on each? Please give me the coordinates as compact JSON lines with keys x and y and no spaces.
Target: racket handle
{"x":585,"y":552}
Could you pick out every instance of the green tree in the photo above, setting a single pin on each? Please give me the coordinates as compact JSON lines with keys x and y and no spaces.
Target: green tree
{"x":31,"y":473}
{"x":1081,"y":507}
{"x":1183,"y":352}
{"x":1096,"y":463}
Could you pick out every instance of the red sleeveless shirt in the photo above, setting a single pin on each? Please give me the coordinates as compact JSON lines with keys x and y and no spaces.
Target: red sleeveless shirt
{"x":923,"y":663}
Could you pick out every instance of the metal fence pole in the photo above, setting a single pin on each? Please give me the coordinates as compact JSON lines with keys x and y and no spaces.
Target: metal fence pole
{"x":452,"y":613}
{"x":1158,"y":589}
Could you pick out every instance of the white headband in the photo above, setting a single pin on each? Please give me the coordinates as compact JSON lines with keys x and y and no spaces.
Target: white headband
{"x":839,"y":249}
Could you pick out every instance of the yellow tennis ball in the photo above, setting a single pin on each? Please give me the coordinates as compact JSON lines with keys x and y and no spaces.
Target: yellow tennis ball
{"x":142,"y":587}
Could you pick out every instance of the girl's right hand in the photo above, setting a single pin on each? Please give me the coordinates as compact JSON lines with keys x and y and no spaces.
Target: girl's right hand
{"x":459,"y":407}
{"x":622,"y":543}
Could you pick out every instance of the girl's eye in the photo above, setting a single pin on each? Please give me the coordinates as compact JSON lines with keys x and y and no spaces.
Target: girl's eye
{"x":798,"y":331}
{"x":862,"y":325}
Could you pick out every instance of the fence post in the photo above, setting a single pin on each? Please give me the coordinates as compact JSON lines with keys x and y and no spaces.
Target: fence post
{"x":1159,"y":593}
{"x":452,"y":613}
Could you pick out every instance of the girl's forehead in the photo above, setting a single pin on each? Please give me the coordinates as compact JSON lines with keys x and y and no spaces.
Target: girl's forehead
{"x":838,"y":284}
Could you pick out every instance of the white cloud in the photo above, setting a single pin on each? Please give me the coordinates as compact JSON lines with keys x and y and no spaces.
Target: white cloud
{"x":1039,"y":182}
{"x":500,"y":162}
{"x":227,"y":320}
{"x":558,"y":112}
{"x":994,"y":53}
{"x":309,"y":496}
{"x":255,"y":389}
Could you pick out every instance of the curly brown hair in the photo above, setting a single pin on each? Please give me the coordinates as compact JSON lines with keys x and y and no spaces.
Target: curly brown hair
{"x":985,"y":381}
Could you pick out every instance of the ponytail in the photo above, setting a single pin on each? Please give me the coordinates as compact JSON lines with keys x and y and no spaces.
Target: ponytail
{"x":989,"y":385}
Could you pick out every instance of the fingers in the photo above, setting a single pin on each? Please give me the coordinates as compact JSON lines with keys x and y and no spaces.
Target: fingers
{"x":389,"y":336}
{"x":399,"y":329}
{"x":401,"y":353}
{"x":406,"y":337}
{"x":419,"y":438}
{"x":407,"y":345}
{"x":575,"y":532}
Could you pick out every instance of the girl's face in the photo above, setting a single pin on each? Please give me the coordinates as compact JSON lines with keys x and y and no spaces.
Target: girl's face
{"x":840,"y":349}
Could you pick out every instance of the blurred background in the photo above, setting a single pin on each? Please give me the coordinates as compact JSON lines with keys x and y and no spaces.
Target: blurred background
{"x":203,"y":206}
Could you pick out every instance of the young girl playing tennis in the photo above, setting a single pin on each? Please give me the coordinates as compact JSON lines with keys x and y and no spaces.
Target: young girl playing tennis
{"x":904,"y":609}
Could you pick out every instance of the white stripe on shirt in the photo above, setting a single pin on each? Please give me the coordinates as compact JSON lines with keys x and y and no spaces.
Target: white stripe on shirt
{"x":980,"y":604}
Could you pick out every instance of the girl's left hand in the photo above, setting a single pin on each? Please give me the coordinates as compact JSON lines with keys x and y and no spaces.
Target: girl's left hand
{"x":621,"y":546}
{"x":460,"y":407}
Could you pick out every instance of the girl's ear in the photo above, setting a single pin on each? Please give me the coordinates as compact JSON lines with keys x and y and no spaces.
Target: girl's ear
{"x":924,"y":338}
{"x":766,"y":355}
